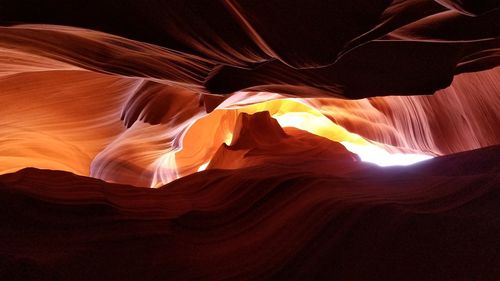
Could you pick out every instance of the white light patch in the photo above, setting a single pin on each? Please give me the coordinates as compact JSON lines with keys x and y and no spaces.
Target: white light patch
{"x":203,"y":166}
{"x":229,"y":138}
{"x":315,"y":123}
{"x":295,"y":119}
{"x":383,"y":158}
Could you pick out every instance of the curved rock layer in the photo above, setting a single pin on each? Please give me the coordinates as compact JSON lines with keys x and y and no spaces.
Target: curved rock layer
{"x":114,"y":99}
{"x":145,"y":133}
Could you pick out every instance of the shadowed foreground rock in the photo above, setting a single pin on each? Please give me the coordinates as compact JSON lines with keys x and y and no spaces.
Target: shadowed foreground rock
{"x":437,"y":220}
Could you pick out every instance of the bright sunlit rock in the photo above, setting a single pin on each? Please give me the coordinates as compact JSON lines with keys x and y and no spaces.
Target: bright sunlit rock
{"x":314,"y":122}
{"x":381,"y":157}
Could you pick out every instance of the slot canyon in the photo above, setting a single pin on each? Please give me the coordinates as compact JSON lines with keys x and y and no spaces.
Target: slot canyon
{"x":250,"y":140}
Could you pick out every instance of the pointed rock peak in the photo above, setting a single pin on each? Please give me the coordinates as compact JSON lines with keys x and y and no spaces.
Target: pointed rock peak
{"x":256,"y":129}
